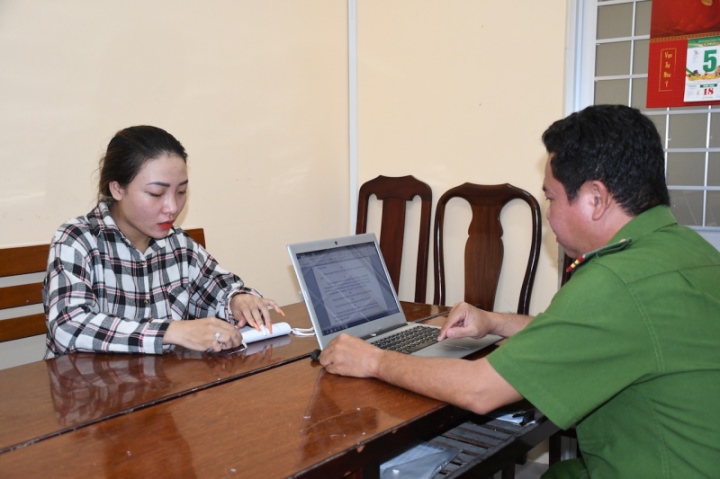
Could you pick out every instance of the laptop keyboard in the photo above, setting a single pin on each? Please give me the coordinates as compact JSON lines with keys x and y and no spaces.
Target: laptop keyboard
{"x":410,"y":340}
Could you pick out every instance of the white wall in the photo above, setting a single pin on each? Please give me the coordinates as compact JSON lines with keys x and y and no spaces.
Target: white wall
{"x":257,"y":92}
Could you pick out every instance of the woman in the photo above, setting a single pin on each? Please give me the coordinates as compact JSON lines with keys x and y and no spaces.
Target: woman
{"x":123,"y":278}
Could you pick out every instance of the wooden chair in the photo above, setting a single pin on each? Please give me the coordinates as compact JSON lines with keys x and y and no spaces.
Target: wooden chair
{"x":484,"y":246}
{"x":23,"y":260}
{"x":19,"y":262}
{"x":484,"y":249}
{"x":198,"y":235}
{"x":395,"y":194}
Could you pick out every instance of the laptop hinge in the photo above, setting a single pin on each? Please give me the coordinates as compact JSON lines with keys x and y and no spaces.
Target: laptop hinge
{"x":382,"y":331}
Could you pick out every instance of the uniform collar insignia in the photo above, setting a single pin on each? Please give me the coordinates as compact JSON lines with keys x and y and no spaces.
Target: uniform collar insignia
{"x":610,"y":248}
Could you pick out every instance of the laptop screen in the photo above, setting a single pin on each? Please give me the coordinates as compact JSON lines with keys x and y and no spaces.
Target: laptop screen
{"x":347,"y":286}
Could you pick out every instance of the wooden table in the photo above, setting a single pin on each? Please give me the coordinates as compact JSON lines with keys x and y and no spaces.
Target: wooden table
{"x":48,"y":398}
{"x":270,"y":414}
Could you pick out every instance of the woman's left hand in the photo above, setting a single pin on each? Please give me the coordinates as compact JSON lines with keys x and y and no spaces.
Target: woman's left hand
{"x":253,"y":310}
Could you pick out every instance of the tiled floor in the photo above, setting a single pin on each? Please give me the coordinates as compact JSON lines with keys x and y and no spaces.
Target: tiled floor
{"x":529,"y":470}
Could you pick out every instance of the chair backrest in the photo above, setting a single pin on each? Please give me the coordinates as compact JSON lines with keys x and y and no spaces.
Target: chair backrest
{"x":395,"y":194}
{"x":484,"y":247}
{"x":24,"y":290}
{"x":23,"y":260}
{"x":198,"y":235}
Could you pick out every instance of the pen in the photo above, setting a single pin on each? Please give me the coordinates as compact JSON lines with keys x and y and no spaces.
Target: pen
{"x":242,"y":339}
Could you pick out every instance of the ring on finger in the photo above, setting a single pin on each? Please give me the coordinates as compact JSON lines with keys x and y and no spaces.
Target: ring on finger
{"x":217,"y":336}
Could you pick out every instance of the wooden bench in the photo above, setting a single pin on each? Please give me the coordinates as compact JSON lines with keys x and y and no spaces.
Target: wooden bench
{"x":31,"y":260}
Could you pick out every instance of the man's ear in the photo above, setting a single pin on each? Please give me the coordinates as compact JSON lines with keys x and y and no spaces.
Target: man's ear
{"x":117,"y":191}
{"x":601,"y":199}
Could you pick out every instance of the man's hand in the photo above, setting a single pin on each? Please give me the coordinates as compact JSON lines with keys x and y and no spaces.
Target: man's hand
{"x":465,"y":320}
{"x":350,"y":356}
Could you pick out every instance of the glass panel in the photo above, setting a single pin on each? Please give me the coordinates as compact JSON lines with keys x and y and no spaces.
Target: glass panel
{"x":611,"y":92}
{"x":659,"y":121}
{"x":687,"y":206}
{"x":714,"y":130}
{"x":640,"y":57}
{"x":688,"y":131}
{"x":642,"y":18}
{"x":612,"y":59}
{"x":614,"y":21}
{"x":639,"y":93}
{"x":686,"y":169}
{"x":714,"y":169}
{"x":712,"y":215}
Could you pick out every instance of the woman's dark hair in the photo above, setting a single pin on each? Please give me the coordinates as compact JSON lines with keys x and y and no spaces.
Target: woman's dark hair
{"x":128,"y":151}
{"x":614,"y":144}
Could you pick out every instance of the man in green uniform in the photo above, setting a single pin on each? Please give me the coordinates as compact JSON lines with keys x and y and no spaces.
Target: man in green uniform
{"x":629,"y":349}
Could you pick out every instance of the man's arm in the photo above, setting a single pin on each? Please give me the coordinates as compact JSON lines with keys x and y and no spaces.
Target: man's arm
{"x":472,"y":385}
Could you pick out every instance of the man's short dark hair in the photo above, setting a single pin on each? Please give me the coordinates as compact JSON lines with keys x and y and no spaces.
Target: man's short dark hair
{"x":616,"y":145}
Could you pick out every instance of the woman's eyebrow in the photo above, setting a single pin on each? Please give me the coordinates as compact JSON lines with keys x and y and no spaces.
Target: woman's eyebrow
{"x":167,"y":185}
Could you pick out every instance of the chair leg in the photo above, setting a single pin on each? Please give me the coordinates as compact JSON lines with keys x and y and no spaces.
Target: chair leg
{"x":508,"y":472}
{"x":554,"y":448}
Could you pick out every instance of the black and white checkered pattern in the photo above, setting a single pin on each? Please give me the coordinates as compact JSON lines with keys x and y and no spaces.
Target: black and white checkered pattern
{"x":102,"y":294}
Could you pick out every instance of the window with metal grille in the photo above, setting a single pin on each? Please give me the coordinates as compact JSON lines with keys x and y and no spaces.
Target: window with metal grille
{"x":613,"y":41}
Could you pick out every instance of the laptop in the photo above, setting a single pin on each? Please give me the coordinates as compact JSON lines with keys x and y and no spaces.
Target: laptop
{"x":347,"y":289}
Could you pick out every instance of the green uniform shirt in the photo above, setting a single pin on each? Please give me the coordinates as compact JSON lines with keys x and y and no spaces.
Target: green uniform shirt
{"x":629,"y":351}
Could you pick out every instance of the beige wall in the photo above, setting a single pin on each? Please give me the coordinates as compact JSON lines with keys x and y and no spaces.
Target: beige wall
{"x":462,"y":91}
{"x":257,"y":91}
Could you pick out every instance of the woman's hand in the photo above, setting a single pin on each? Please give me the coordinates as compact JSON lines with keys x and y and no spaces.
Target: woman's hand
{"x":253,"y":310}
{"x":203,"y":334}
